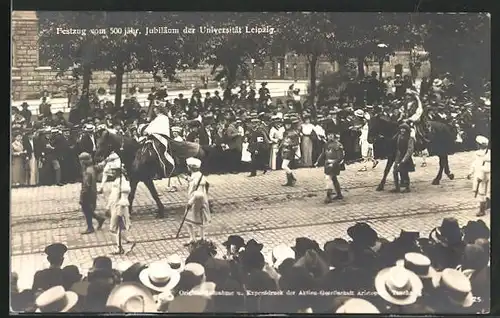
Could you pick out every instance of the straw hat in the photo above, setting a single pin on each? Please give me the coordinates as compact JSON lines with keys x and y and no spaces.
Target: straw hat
{"x":398,"y":285}
{"x":420,"y":265}
{"x":457,"y":287}
{"x":193,"y":162}
{"x":357,"y":306}
{"x":359,"y":113}
{"x":437,"y":82}
{"x":132,"y":298}
{"x":56,"y":299}
{"x":481,"y":140}
{"x":159,"y":276}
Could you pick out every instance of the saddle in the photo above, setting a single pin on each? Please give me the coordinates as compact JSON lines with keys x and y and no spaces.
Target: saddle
{"x":422,"y":129}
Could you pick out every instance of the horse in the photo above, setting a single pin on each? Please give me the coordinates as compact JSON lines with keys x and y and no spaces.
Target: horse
{"x":439,"y":141}
{"x":141,"y":161}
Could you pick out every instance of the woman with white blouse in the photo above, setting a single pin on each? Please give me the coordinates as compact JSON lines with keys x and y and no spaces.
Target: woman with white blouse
{"x":307,"y":129}
{"x":276,"y":135}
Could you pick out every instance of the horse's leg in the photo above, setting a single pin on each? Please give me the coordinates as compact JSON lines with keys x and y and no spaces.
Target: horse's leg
{"x":446,"y":167}
{"x":131,"y":195}
{"x":152,"y":189}
{"x":440,"y":171}
{"x":388,"y":166}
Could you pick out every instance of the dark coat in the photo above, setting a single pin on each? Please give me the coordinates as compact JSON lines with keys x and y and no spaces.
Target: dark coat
{"x":404,"y":152}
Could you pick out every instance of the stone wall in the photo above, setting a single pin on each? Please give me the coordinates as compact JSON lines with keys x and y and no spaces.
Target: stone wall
{"x":29,"y":78}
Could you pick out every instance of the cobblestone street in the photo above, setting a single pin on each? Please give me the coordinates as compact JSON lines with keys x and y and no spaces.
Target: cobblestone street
{"x":252,"y":207}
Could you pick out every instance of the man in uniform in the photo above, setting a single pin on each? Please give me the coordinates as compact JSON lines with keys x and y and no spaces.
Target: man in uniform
{"x":403,"y":163}
{"x":52,"y":276}
{"x":333,"y":154}
{"x":258,"y":146}
{"x":290,"y":144}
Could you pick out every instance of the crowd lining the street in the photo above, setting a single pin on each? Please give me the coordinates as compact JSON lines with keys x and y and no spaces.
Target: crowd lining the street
{"x":445,"y":273}
{"x":45,"y":149}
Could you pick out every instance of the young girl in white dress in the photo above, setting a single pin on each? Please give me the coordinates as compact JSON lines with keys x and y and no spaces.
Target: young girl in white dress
{"x":118,"y":206}
{"x":198,"y":208}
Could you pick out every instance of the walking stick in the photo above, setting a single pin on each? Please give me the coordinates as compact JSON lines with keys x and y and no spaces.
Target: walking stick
{"x":182,"y":222}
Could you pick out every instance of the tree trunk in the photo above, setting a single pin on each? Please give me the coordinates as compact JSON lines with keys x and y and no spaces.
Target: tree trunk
{"x":87,"y":76}
{"x":380,"y":69}
{"x":361,"y":66}
{"x":312,"y":84}
{"x":119,"y":86}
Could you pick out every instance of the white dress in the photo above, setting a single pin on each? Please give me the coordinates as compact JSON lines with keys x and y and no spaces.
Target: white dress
{"x":481,"y":171}
{"x":118,"y":205}
{"x":199,"y":209}
{"x":366,"y":147}
{"x":246,"y":156}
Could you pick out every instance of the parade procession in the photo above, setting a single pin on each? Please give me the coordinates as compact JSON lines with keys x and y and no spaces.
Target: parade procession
{"x":273,"y":184}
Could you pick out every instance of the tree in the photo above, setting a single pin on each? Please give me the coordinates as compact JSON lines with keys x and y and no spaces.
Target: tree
{"x":229,"y":52}
{"x":109,"y":44}
{"x":458,"y":43}
{"x":309,"y":34}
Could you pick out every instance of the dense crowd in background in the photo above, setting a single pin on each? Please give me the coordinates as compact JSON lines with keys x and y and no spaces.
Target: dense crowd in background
{"x":448,"y":272}
{"x":45,"y":147}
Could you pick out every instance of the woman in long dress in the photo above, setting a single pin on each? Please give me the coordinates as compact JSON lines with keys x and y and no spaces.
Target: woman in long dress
{"x":198,"y":208}
{"x":307,"y":141}
{"x":276,"y":135}
{"x":18,"y":161}
{"x":118,"y":206}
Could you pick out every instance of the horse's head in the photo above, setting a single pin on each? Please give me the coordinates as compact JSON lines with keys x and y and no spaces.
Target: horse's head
{"x":381,"y":127}
{"x":105,"y":145}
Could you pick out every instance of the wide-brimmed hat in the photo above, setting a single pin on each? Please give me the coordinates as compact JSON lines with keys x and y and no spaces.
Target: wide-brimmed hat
{"x":398,"y":285}
{"x":193,"y":162}
{"x":235,"y":240}
{"x":359,"y":113}
{"x":457,"y":287}
{"x":131,"y":297}
{"x":420,"y":265}
{"x":176,"y":262}
{"x":159,"y":276}
{"x":205,"y":289}
{"x":56,"y":299}
{"x":362,"y":232}
{"x":448,"y":233}
{"x":437,"y":82}
{"x":474,"y":230}
{"x":253,"y":245}
{"x":338,"y":253}
{"x":280,"y":253}
{"x":302,"y":244}
{"x":483,"y":141}
{"x":357,"y":306}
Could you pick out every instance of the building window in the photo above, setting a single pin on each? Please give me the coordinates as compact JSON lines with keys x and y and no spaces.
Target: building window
{"x":278,"y":70}
{"x":44,"y":53}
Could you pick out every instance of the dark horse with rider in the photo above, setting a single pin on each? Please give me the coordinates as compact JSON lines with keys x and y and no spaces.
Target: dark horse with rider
{"x":437,"y":137}
{"x":146,"y":159}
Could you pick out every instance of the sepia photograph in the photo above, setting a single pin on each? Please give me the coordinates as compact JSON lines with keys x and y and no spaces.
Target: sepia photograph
{"x":250,"y":162}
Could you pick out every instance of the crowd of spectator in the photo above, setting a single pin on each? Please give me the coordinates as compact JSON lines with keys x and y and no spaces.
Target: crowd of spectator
{"x":448,"y":272}
{"x":45,"y":147}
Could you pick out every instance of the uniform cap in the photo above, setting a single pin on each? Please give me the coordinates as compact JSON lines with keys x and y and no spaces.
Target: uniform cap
{"x":57,"y":249}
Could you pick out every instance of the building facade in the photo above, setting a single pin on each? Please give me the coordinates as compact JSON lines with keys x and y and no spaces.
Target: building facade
{"x":30,"y":77}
